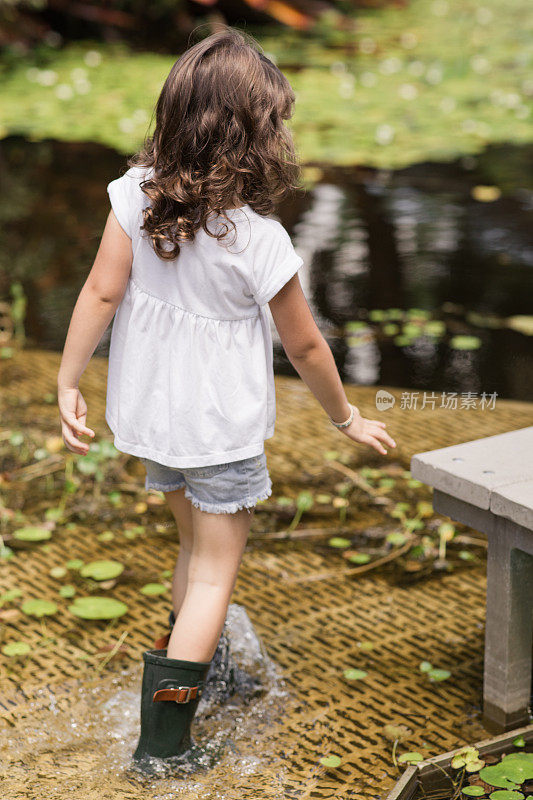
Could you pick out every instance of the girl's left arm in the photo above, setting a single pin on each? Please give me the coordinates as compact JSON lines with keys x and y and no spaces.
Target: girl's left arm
{"x":96,"y":305}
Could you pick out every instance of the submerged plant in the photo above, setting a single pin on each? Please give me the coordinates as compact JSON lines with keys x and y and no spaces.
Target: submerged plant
{"x":304,"y":502}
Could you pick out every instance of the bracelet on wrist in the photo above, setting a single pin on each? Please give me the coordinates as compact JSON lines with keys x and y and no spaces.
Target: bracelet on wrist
{"x":347,"y":422}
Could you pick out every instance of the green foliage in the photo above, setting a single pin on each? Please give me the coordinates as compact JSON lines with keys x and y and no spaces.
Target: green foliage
{"x":410,"y":758}
{"x":97,"y":608}
{"x":330,"y":761}
{"x":102,"y":570}
{"x":354,"y":674}
{"x":32,"y":534}
{"x":153,"y":589}
{"x":39,"y":608}
{"x":425,"y":80}
{"x":14,"y":649}
{"x":510,"y":772}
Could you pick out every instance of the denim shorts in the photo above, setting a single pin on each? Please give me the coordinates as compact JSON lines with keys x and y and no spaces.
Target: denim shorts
{"x":217,"y":488}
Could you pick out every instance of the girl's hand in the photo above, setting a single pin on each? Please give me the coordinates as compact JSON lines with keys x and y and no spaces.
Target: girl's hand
{"x":73,"y":414}
{"x":368,"y":431}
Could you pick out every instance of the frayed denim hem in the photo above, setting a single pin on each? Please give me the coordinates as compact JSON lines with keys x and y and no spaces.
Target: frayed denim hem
{"x":229,"y":508}
{"x":161,"y":487}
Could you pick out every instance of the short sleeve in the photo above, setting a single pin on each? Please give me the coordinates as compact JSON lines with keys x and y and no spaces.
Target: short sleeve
{"x":123,"y":194}
{"x":275,"y":262}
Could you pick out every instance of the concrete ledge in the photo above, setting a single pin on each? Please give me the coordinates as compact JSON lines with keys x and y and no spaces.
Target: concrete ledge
{"x":473,"y":471}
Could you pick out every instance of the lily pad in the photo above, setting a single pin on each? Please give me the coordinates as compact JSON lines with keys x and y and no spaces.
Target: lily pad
{"x":339,"y":541}
{"x":506,"y":794}
{"x":16,"y":649}
{"x":359,"y":558}
{"x":58,"y":572}
{"x":510,"y":772}
{"x":67,"y":590}
{"x":39,"y":608}
{"x":106,"y":536}
{"x":465,"y":343}
{"x":439,"y":674}
{"x":32,"y":534}
{"x":102,"y":570}
{"x":330,"y":761}
{"x":354,"y":674}
{"x":153,"y":589}
{"x":74,"y":563}
{"x":97,"y":608}
{"x":9,"y":596}
{"x":473,"y":791}
{"x":410,"y":758}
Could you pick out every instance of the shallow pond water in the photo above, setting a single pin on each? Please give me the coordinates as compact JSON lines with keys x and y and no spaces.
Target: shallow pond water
{"x":398,"y":264}
{"x":77,"y":739}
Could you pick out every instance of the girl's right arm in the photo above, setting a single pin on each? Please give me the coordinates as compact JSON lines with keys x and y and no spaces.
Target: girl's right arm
{"x":311,"y":357}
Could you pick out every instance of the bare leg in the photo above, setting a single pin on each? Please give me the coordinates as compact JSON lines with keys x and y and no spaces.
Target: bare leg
{"x":218,"y":545}
{"x":181,"y":509}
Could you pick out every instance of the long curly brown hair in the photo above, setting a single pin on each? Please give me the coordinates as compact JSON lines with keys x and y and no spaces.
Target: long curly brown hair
{"x":219,"y":140}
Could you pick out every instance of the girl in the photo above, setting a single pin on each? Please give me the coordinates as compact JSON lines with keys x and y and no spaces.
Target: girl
{"x":188,"y":260}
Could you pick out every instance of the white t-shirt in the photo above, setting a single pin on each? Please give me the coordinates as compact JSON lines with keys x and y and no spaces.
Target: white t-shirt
{"x":190,"y":377}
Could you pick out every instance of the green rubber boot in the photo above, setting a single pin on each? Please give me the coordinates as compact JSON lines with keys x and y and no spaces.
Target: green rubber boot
{"x":170,"y":694}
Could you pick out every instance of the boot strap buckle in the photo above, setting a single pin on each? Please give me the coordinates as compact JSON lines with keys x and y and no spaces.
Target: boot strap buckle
{"x":182,"y":694}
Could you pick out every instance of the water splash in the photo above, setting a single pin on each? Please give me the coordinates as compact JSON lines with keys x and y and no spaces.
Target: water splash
{"x":75,"y":740}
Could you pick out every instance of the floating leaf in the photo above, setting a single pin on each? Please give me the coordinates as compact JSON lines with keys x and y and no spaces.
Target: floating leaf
{"x":330,"y":761}
{"x":410,"y":758}
{"x":446,"y":531}
{"x":67,"y":590}
{"x":106,"y":536}
{"x":97,"y":608}
{"x":396,"y":733}
{"x":354,"y":674}
{"x":102,"y":570}
{"x":366,"y":646}
{"x":510,"y":772}
{"x":304,"y":500}
{"x":464,"y":756}
{"x":58,"y":572}
{"x":506,"y":794}
{"x":323,"y":498}
{"x":74,"y":563}
{"x":424,"y":508}
{"x":339,"y":541}
{"x":439,"y":674}
{"x":473,"y":791}
{"x":519,"y":741}
{"x":521,"y":323}
{"x":153,"y":589}
{"x":32,"y":534}
{"x":9,"y":596}
{"x":485,"y":194}
{"x":339,"y":502}
{"x":39,"y":608}
{"x":465,"y":343}
{"x":425,"y":666}
{"x":16,"y":649}
{"x":396,"y":538}
{"x":359,"y":558}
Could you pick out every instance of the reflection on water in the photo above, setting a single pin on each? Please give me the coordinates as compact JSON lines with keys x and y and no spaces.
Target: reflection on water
{"x":78,"y":740}
{"x":425,"y":237}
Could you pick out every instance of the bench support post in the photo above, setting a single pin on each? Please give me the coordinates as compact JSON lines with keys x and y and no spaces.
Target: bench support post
{"x":509,"y":622}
